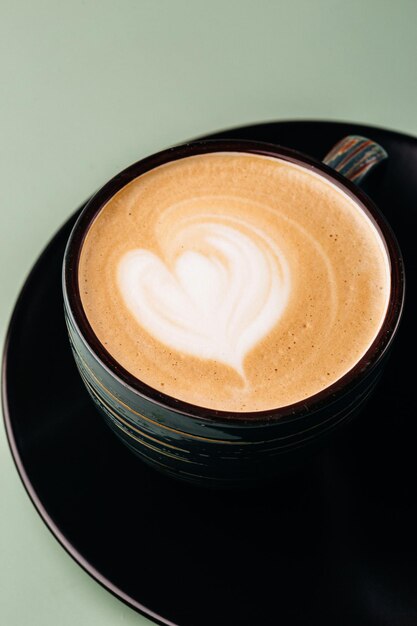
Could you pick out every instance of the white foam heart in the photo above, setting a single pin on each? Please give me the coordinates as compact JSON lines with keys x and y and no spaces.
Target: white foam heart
{"x":215,"y":300}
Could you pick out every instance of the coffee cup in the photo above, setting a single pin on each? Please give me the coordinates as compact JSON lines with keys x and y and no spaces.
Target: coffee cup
{"x":231,"y":304}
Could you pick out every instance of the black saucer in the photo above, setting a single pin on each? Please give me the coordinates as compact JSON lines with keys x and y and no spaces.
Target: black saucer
{"x":333,"y":544}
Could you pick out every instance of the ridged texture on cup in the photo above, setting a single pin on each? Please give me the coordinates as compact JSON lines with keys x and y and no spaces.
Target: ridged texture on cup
{"x":205,"y":451}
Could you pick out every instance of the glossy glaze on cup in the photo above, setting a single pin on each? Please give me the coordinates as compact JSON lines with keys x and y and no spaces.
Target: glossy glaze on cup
{"x":203,"y":445}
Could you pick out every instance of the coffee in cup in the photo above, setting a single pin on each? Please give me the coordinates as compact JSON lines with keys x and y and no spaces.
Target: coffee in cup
{"x":234,"y":281}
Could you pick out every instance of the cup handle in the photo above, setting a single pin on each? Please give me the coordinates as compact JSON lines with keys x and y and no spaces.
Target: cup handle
{"x":355,"y":157}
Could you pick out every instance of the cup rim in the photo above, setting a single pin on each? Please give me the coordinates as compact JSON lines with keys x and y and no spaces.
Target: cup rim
{"x":373,"y":355}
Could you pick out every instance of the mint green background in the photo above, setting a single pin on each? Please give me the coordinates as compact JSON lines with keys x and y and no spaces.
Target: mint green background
{"x":87,"y":87}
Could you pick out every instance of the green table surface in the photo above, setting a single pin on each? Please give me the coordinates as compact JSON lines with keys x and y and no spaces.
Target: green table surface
{"x":89,"y":86}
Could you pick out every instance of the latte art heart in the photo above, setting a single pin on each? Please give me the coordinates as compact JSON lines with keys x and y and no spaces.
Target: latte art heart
{"x":215,"y":294}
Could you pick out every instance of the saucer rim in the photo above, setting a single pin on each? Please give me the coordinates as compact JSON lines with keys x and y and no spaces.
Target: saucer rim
{"x":7,"y":418}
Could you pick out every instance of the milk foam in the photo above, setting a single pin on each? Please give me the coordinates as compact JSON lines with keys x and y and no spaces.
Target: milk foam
{"x":234,"y":281}
{"x":218,"y":298}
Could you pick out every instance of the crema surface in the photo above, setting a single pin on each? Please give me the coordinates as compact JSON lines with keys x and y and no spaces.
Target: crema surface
{"x":234,"y":281}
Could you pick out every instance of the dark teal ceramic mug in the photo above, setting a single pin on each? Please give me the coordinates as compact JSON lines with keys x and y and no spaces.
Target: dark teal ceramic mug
{"x":216,"y":447}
